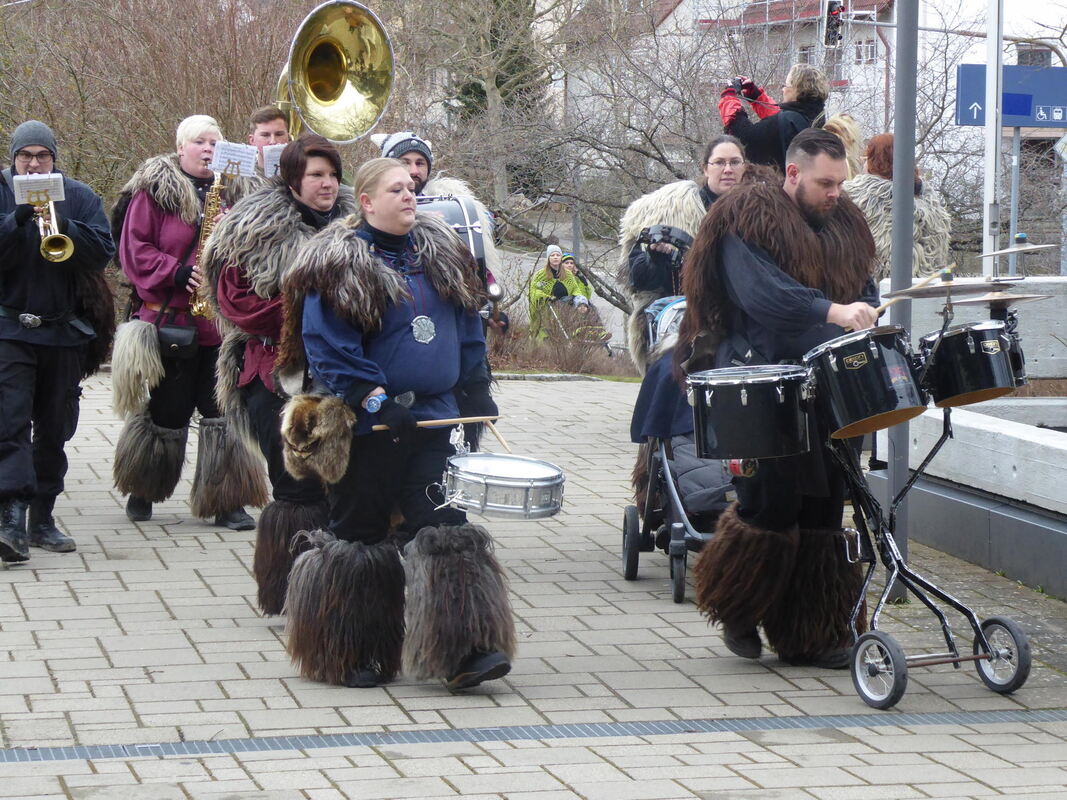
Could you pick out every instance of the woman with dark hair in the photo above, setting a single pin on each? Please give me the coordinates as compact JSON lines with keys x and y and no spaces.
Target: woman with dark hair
{"x":653,"y":270}
{"x":381,"y":311}
{"x":248,"y":255}
{"x":872,"y":191}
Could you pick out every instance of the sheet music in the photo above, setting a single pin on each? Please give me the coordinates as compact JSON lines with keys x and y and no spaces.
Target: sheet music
{"x":235,"y":160}
{"x":272,"y":155}
{"x":39,"y":189}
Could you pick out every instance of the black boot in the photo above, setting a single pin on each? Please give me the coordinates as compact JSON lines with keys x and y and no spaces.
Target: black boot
{"x":236,"y":520}
{"x":478,"y":668}
{"x":138,"y":509}
{"x":14,"y":544}
{"x":43,"y":530}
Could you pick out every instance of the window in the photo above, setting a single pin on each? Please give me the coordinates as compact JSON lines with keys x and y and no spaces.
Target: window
{"x":835,"y":65}
{"x":806,"y":54}
{"x":866,"y":52}
{"x":1033,"y":56}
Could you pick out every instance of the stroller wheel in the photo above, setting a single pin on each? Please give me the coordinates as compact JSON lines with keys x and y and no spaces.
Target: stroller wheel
{"x":879,"y":670}
{"x":631,"y":542}
{"x":678,"y":578}
{"x":1009,"y":666}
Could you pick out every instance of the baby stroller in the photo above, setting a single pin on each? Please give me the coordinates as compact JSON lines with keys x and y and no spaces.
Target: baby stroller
{"x":574,"y":321}
{"x":679,"y":496}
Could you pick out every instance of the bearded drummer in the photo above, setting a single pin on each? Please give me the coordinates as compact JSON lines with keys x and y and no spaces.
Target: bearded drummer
{"x":766,"y":294}
{"x":381,"y":312}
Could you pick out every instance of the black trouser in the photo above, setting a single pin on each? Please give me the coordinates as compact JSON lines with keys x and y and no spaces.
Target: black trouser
{"x":775,"y":497}
{"x":188,"y":383}
{"x":264,"y":412}
{"x":39,"y":393}
{"x":382,"y":476}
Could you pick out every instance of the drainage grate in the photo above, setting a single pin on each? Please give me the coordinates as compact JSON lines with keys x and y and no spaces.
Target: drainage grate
{"x":566,"y":731}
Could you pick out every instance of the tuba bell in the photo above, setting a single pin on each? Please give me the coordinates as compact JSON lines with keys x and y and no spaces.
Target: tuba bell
{"x":339,"y":75}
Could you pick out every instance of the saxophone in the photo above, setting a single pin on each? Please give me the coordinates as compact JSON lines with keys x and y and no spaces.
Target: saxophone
{"x":198,"y":304}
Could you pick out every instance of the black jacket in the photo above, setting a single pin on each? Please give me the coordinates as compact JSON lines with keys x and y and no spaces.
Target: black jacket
{"x":30,"y":283}
{"x":767,"y":140}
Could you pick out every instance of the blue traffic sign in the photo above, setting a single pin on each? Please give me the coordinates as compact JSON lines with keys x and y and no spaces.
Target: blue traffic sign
{"x":1031,"y":96}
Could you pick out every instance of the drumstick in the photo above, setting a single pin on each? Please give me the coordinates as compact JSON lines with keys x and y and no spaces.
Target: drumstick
{"x":928,"y":279}
{"x":496,"y":433}
{"x":435,"y":423}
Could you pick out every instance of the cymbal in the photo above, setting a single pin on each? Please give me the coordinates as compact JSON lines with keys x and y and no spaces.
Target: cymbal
{"x":1001,"y":299}
{"x":942,"y":288}
{"x":1023,"y":248}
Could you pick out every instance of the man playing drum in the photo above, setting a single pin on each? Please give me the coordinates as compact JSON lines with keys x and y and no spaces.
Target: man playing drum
{"x":764,"y":292}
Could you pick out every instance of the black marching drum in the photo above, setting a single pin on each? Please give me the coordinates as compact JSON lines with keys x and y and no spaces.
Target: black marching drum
{"x":750,"y":412}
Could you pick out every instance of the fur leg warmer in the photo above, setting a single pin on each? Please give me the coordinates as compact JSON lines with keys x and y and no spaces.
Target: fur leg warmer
{"x":148,"y":458}
{"x":278,"y":523}
{"x":345,"y":608}
{"x":458,"y":600}
{"x":742,"y":570}
{"x":810,"y":617}
{"x":136,"y":367}
{"x":228,"y":475}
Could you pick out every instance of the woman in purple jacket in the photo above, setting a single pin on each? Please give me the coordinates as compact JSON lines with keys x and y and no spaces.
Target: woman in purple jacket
{"x":157,"y":249}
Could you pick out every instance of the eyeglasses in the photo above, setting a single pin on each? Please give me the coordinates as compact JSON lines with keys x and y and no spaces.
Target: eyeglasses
{"x":719,"y":163}
{"x":25,"y":158}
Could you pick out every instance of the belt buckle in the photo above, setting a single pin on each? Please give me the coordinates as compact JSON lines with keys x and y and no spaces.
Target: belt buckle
{"x":30,"y":321}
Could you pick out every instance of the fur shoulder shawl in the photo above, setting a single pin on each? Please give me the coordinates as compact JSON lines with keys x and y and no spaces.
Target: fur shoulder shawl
{"x":168,"y":187}
{"x":358,"y":286}
{"x":677,"y":204}
{"x":262,"y":235}
{"x":874,"y":195}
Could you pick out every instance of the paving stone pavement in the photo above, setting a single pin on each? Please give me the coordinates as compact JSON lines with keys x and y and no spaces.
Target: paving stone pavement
{"x":139,"y":668}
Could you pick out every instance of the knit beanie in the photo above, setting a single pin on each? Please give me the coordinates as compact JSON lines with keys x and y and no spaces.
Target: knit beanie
{"x":553,"y":248}
{"x":32,"y":133}
{"x":396,"y":144}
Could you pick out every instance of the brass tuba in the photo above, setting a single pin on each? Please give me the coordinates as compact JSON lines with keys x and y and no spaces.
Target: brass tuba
{"x":339,"y":75}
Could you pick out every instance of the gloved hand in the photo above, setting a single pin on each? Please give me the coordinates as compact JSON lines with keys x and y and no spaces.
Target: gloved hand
{"x":399,"y":420}
{"x":749,"y":88}
{"x":23,"y":213}
{"x":477,"y":401}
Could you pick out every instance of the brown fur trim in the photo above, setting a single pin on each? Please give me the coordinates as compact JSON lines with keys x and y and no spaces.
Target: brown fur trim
{"x":96,"y":302}
{"x":162,"y":178}
{"x":810,"y":616}
{"x":358,"y":286}
{"x":458,"y":600}
{"x":276,"y":547}
{"x":228,"y":475}
{"x":345,"y":608}
{"x":317,"y":437}
{"x":148,"y":458}
{"x":742,"y":570}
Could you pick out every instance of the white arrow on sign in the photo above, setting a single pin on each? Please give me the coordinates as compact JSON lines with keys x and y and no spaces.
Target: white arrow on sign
{"x":975,"y":108}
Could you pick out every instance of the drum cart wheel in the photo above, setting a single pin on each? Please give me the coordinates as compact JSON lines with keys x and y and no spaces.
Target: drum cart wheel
{"x":631,"y":542}
{"x":1008,"y":667}
{"x":879,"y":670}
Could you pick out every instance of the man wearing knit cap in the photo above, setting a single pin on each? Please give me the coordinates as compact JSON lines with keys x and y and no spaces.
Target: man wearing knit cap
{"x":56,"y":319}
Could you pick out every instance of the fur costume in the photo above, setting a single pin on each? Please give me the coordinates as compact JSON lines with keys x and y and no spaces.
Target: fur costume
{"x":317,"y":436}
{"x":163,"y":179}
{"x":345,"y":608}
{"x":358,"y":287}
{"x":443,"y":186}
{"x":929,"y":252}
{"x":262,"y":234}
{"x":458,"y":600}
{"x":276,"y":550}
{"x":149,"y":458}
{"x":227,"y":475}
{"x":809,"y":617}
{"x":677,"y":204}
{"x":96,"y":302}
{"x":743,"y":570}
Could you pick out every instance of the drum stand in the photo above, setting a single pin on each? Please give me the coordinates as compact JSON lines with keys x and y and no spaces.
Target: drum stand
{"x":1000,"y":651}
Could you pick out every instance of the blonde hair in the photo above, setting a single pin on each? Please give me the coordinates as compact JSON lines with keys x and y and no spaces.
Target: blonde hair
{"x":196,"y":125}
{"x":370,"y":173}
{"x":810,"y":82}
{"x":845,"y":128}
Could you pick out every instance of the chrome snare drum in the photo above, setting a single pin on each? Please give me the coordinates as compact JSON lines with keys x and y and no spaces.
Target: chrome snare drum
{"x":969,"y":363}
{"x":504,"y":485}
{"x":750,"y":412}
{"x":865,"y":381}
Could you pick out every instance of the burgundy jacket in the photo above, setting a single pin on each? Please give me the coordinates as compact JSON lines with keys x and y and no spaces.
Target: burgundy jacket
{"x":255,"y":316}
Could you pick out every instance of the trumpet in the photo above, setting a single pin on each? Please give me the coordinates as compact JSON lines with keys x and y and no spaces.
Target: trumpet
{"x":55,"y":246}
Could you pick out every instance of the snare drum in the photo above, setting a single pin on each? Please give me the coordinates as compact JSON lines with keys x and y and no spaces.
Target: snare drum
{"x":461,"y":213}
{"x":865,"y":381}
{"x":504,"y":485}
{"x":971,"y":363}
{"x":750,"y":412}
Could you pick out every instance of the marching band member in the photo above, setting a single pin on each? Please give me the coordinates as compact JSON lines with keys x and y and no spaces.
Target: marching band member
{"x":763,"y":294}
{"x":381,"y":310}
{"x":56,"y":321}
{"x":654,"y":271}
{"x":159,"y":220}
{"x":267,"y":126}
{"x":244,"y":262}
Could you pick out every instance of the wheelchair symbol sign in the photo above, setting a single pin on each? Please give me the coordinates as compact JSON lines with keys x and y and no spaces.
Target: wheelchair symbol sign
{"x":1043,"y":112}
